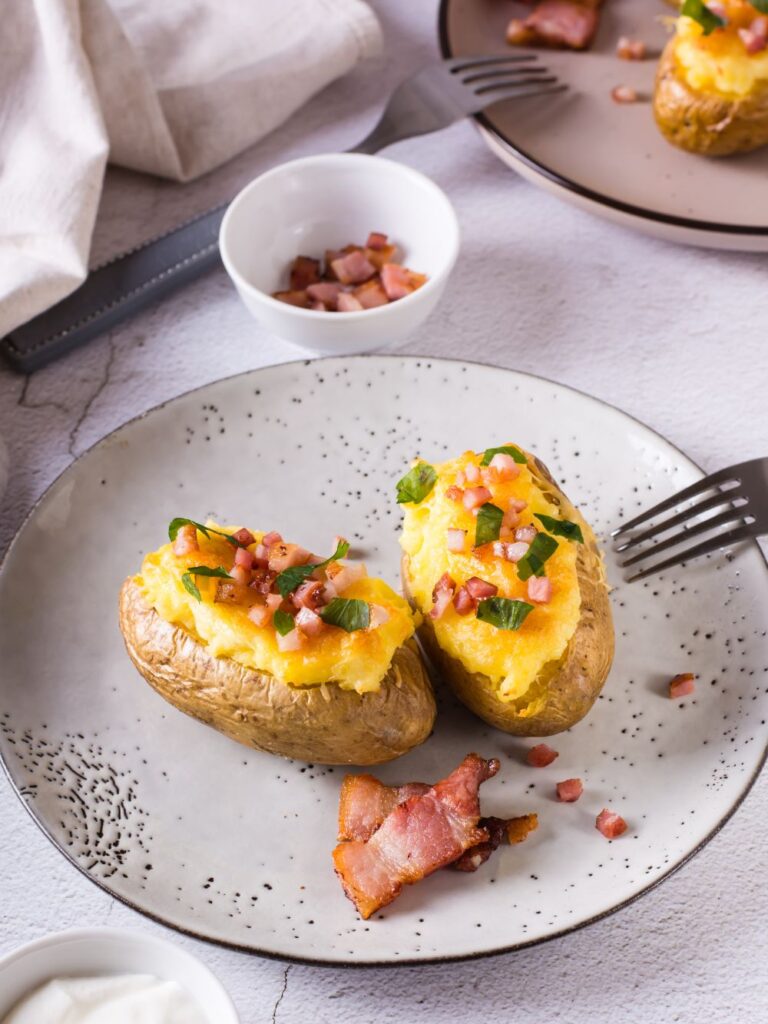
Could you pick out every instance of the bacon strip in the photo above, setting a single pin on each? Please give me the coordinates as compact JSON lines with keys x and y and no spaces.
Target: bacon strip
{"x":419,"y":836}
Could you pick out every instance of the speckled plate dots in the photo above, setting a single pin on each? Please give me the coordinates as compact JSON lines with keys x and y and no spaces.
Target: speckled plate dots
{"x":234,"y":845}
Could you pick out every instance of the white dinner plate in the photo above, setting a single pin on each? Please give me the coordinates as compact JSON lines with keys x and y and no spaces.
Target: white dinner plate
{"x":608,"y":157}
{"x":234,"y":845}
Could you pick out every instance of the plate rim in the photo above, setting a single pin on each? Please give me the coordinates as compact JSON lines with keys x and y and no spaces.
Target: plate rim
{"x":411,"y":961}
{"x":742,"y":231}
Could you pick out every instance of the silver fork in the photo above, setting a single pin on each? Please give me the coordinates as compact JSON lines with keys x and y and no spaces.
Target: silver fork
{"x":742,"y":488}
{"x":432,"y":99}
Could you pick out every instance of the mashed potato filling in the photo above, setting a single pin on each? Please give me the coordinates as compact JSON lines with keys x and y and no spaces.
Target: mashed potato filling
{"x":719,"y":62}
{"x":355,"y":661}
{"x":511,"y":659}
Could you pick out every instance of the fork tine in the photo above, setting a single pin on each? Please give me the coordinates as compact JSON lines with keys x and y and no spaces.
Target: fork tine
{"x":705,"y":484}
{"x":465,"y":63}
{"x":520,"y":92}
{"x":513,"y":86}
{"x":732,"y":515}
{"x":520,"y":69}
{"x":721,"y":498}
{"x":720,"y":541}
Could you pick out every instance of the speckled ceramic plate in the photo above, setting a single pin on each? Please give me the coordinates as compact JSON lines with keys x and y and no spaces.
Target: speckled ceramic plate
{"x":234,"y":845}
{"x":607,"y":157}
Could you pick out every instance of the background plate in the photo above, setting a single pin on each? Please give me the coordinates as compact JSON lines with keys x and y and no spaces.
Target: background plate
{"x":234,"y":845}
{"x":608,"y":157}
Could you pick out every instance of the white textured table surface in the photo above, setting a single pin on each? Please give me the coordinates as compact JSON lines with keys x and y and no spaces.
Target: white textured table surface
{"x":674,"y":336}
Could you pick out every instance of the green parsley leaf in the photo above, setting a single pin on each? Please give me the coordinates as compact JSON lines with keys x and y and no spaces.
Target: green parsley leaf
{"x":175,"y":525}
{"x":284,"y":623}
{"x":699,"y":12}
{"x":505,"y":449}
{"x":349,"y":615}
{"x":416,"y":484}
{"x":503,"y":612}
{"x":291,"y":578}
{"x":562,"y":527}
{"x":761,"y":5}
{"x":488,"y":524}
{"x":532,"y":562}
{"x":201,"y":570}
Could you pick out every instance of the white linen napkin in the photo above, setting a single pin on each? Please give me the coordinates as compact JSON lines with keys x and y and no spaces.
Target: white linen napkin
{"x":174,"y":88}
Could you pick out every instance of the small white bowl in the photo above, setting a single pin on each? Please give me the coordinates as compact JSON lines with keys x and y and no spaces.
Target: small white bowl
{"x":324,"y":202}
{"x":94,"y":951}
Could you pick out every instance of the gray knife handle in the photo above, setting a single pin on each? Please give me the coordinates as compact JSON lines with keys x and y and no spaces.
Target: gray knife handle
{"x":116,"y":290}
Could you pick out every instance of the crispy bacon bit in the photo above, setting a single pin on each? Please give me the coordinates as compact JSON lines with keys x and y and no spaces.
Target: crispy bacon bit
{"x":370,"y":295}
{"x":262,"y":580}
{"x":376,"y":240}
{"x":509,"y":521}
{"x":283,"y":556}
{"x":479,"y":589}
{"x":273,"y":537}
{"x":755,"y":38}
{"x":343,"y":576}
{"x":463,"y":602}
{"x":244,"y":536}
{"x":299,"y":298}
{"x":565,"y":24}
{"x":260,"y":614}
{"x":472,"y":473}
{"x":630,"y":49}
{"x":244,"y":557}
{"x":526,"y":534}
{"x":347,"y":303}
{"x":456,"y":540}
{"x":510,"y":552}
{"x":569,"y":790}
{"x":541,"y":755}
{"x":518,"y":829}
{"x":353,"y":268}
{"x":539,"y":589}
{"x":308,"y":594}
{"x":504,"y":466}
{"x":378,"y":615}
{"x":309,"y":622}
{"x":476,"y":856}
{"x":624,"y":94}
{"x":240,"y":574}
{"x":291,"y":641}
{"x":419,"y":836}
{"x":304,"y":271}
{"x":454,"y":493}
{"x":611,"y":825}
{"x":186,"y":540}
{"x":326,"y":292}
{"x":682,"y":685}
{"x":474,"y":497}
{"x":442,"y":595}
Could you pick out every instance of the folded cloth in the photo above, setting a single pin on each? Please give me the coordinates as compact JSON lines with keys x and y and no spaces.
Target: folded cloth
{"x":173,"y":88}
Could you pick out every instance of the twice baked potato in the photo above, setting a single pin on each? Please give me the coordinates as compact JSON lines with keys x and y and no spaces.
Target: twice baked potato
{"x":510,"y":582}
{"x":711,"y":92}
{"x":277,"y":649}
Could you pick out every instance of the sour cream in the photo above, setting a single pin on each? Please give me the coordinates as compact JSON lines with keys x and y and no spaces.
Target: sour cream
{"x":113,"y":999}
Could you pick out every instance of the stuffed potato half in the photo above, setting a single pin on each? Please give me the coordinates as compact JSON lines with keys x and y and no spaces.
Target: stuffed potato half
{"x":276,"y":648}
{"x":711,"y":93}
{"x":510,"y":581}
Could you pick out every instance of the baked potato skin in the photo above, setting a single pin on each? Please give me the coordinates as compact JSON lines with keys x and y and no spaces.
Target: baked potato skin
{"x":706,"y":123}
{"x":574,"y":682}
{"x":263,"y":712}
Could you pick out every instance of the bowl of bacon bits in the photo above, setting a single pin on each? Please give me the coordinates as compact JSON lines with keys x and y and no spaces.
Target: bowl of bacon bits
{"x":340,"y":253}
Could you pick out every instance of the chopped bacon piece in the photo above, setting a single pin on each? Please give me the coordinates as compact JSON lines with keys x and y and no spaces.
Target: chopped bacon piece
{"x":419,"y":836}
{"x":518,"y":829}
{"x":539,"y":589}
{"x":299,"y":298}
{"x":262,"y":579}
{"x":260,"y":614}
{"x":569,"y":790}
{"x":326,"y":292}
{"x":283,"y":556}
{"x":541,"y":755}
{"x":231,"y":592}
{"x":472,"y":474}
{"x":630,"y":49}
{"x":376,"y":240}
{"x":240,"y":574}
{"x":304,"y":271}
{"x":510,"y":552}
{"x":273,"y":537}
{"x":509,"y":520}
{"x":442,"y":595}
{"x":377,"y":616}
{"x":353,"y":268}
{"x":290,"y":642}
{"x":611,"y":825}
{"x":682,"y":685}
{"x":624,"y":94}
{"x":504,"y":466}
{"x":370,"y":295}
{"x":365,"y":802}
{"x":454,"y":493}
{"x":400,"y":281}
{"x":308,"y":594}
{"x":755,"y":38}
{"x":378,"y":257}
{"x":309,"y":622}
{"x":463,"y":602}
{"x":566,"y":24}
{"x":347,"y":303}
{"x":244,"y":536}
{"x":474,"y":497}
{"x":526,"y":534}
{"x":186,"y":540}
{"x":456,"y":540}
{"x":343,"y":576}
{"x":476,"y":856}
{"x":245,"y":558}
{"x":479,"y":589}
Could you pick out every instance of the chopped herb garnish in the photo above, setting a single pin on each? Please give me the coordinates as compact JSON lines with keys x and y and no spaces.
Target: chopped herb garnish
{"x":532,"y":562}
{"x":761,"y":5}
{"x":488,"y":524}
{"x":201,"y":570}
{"x":291,"y":578}
{"x":349,"y":614}
{"x":505,"y":449}
{"x":175,"y":525}
{"x":562,"y":527}
{"x":284,"y":623}
{"x":700,"y":13}
{"x":416,"y":484}
{"x":503,"y":612}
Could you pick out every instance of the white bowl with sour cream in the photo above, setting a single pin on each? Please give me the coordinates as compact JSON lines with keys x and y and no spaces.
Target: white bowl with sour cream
{"x":165,"y":980}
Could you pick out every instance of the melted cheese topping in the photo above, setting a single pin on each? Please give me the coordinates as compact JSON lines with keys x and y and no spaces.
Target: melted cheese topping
{"x":512,"y":660}
{"x":719,"y":62}
{"x":355,"y":661}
